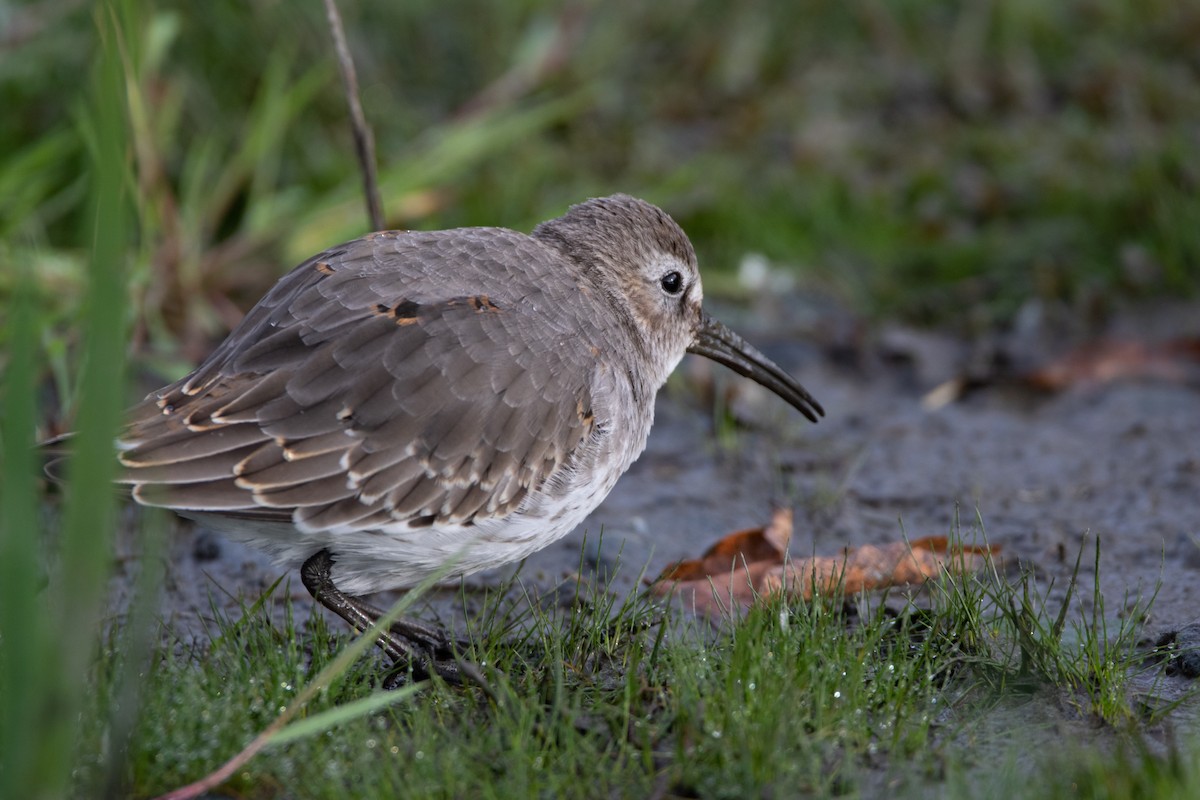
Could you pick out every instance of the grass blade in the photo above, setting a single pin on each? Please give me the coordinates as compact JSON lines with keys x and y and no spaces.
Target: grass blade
{"x":89,"y":517}
{"x":319,"y":723}
{"x":21,"y":617}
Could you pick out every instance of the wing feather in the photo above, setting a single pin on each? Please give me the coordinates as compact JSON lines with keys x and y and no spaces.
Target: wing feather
{"x":399,"y":378}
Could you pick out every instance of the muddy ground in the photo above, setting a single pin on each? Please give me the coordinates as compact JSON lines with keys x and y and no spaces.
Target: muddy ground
{"x":1045,"y":472}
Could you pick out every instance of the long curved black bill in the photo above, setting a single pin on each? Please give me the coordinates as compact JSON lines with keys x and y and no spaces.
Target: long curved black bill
{"x":715,"y":341}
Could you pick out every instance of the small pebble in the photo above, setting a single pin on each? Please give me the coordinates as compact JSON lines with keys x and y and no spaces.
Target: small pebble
{"x":1185,"y":651}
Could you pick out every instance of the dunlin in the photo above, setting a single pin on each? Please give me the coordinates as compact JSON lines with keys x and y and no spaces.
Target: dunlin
{"x":411,"y":400}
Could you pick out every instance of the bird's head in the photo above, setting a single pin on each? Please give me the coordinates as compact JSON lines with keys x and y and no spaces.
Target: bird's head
{"x":644,"y":261}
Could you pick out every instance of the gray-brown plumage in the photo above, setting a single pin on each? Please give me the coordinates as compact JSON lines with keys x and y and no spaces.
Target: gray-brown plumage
{"x":411,"y":399}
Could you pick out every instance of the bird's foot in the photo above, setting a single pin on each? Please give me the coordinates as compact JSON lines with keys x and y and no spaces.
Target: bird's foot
{"x":416,"y":649}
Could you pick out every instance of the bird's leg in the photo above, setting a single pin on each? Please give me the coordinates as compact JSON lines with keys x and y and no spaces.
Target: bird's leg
{"x":407,"y":642}
{"x":430,"y":637}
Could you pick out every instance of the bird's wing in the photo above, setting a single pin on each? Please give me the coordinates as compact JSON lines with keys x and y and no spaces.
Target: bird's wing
{"x":349,"y":399}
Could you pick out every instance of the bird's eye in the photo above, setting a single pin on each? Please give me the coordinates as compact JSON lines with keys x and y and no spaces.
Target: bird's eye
{"x":672,"y":282}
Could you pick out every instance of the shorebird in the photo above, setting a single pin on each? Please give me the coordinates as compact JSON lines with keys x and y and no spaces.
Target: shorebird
{"x":412,"y":400}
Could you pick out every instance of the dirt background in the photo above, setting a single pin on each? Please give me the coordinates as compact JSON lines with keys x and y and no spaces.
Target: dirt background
{"x":1039,"y":473}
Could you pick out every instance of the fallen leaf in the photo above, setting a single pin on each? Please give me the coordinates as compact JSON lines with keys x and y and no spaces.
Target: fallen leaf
{"x":1175,"y":360}
{"x":748,"y":566}
{"x":748,"y":547}
{"x":873,"y":567}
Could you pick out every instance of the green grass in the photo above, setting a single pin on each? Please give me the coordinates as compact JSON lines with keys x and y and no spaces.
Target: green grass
{"x":607,"y":697}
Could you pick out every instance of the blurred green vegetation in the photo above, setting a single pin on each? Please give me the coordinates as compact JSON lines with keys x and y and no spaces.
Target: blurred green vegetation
{"x":936,"y":160}
{"x":47,"y":633}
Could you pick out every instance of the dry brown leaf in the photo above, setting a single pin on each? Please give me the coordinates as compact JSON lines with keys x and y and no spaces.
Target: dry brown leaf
{"x":744,"y":567}
{"x":873,"y":567}
{"x":735,"y":551}
{"x":1176,"y":361}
